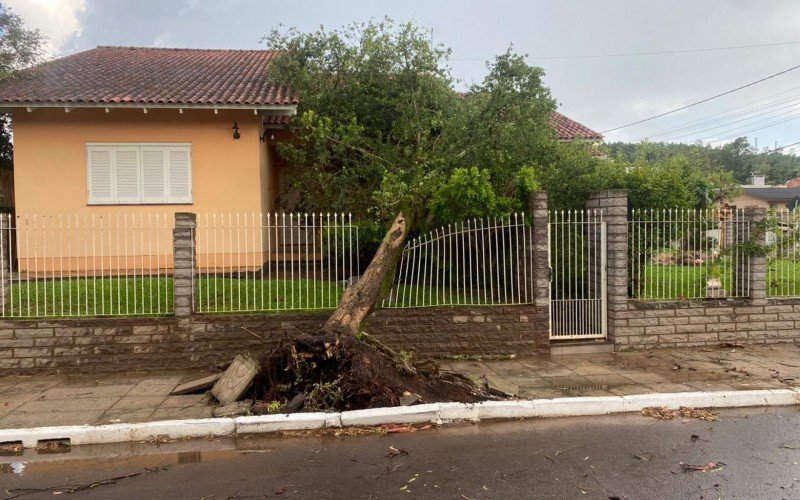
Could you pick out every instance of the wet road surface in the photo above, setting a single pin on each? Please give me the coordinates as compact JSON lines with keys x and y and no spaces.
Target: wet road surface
{"x":625,"y":456}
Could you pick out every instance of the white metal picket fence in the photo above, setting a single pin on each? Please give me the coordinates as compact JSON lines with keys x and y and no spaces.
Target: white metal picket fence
{"x":484,"y":261}
{"x":577,"y":251}
{"x":86,"y":265}
{"x":783,"y":260}
{"x":686,"y":254}
{"x":273,"y":261}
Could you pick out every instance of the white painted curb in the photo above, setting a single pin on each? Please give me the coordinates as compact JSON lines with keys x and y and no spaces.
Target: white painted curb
{"x":436,"y":413}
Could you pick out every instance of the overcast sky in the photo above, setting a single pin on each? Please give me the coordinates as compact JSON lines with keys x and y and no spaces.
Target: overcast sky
{"x":601,"y":92}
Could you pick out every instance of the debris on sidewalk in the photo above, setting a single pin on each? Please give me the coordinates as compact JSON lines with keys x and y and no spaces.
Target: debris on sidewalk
{"x":236,"y":409}
{"x":500,"y":387}
{"x":709,"y":467}
{"x":409,"y":398}
{"x":738,"y":371}
{"x":294,"y":405}
{"x":236,"y":380}
{"x":664,"y":413}
{"x":197,"y":385}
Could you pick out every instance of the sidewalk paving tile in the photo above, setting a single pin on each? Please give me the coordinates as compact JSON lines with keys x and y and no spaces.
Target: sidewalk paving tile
{"x":125,"y":415}
{"x":73,"y":392}
{"x":670,"y":387}
{"x":42,"y":419}
{"x":139,"y":403}
{"x":66,"y":405}
{"x":27,"y":401}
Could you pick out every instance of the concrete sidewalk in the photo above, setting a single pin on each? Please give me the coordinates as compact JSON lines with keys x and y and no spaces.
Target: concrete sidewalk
{"x":34,"y":401}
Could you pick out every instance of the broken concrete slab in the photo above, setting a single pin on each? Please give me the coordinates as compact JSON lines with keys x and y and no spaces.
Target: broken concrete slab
{"x":232,"y":385}
{"x":499,"y":386}
{"x":197,"y":385}
{"x":236,"y":409}
{"x":409,"y":399}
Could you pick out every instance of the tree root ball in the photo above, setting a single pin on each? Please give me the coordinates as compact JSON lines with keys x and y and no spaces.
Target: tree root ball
{"x":325,"y":373}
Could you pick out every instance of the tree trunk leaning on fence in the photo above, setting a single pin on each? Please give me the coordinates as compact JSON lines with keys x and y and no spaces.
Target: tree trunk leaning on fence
{"x":359,"y":299}
{"x":335,"y":368}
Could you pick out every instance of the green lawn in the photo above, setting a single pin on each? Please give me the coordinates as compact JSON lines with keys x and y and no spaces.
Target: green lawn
{"x":249,"y":295}
{"x":783,"y":278}
{"x":423,"y":296}
{"x":661,"y":281}
{"x":674,"y":281}
{"x":91,"y":297}
{"x":74,"y":297}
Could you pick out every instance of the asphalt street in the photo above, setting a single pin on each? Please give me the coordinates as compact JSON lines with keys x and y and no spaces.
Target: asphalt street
{"x":755,"y":452}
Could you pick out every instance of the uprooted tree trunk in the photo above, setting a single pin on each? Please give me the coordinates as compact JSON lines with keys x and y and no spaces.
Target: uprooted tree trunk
{"x":341,"y":367}
{"x":359,"y":300}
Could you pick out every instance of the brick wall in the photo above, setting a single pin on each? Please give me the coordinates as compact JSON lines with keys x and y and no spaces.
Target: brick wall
{"x":203,"y":342}
{"x":707,"y":322}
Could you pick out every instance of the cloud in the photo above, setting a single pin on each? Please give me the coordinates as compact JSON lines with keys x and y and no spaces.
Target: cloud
{"x":56,"y":19}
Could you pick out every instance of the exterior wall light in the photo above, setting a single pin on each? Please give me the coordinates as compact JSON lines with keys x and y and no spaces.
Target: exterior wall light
{"x":236,"y":133}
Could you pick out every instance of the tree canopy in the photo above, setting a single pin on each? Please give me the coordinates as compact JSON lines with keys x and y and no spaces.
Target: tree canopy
{"x":380,"y":128}
{"x":20,"y":47}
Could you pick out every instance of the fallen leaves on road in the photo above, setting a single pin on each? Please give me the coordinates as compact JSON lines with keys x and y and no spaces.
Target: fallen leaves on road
{"x":645,"y":457}
{"x":709,"y":467}
{"x":160,"y":439}
{"x":393,"y":452}
{"x":396,"y":428}
{"x":664,"y":413}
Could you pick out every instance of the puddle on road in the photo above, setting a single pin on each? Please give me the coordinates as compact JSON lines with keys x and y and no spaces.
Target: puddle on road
{"x":139,"y":456}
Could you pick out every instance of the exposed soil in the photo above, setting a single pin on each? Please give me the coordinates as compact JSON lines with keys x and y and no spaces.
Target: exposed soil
{"x":317,"y":375}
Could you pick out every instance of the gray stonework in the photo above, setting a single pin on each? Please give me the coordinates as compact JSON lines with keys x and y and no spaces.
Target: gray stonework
{"x":674,"y":323}
{"x":614,"y":205}
{"x":183,"y":240}
{"x":211,"y":341}
{"x":537,"y":204}
{"x":750,"y":271}
{"x":707,"y":322}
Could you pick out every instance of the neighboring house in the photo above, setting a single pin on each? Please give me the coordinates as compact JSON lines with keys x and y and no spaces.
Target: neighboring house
{"x":759,"y":194}
{"x":129,"y":130}
{"x":793,"y":183}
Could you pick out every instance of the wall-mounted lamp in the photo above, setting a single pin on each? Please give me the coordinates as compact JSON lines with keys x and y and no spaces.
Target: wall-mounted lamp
{"x":263,"y":137}
{"x":236,"y":133}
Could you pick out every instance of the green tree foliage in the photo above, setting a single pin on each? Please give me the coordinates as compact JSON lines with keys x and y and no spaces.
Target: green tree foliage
{"x":20,"y":47}
{"x":739,"y":158}
{"x":380,"y":128}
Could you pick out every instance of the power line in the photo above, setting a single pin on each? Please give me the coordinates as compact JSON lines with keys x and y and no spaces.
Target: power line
{"x":726,"y":122}
{"x":778,"y":149}
{"x":738,"y":132}
{"x":726,"y":114}
{"x":649,"y":53}
{"x":703,"y":100}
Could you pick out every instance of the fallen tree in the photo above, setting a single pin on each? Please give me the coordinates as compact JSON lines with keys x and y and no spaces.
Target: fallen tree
{"x":380,"y":133}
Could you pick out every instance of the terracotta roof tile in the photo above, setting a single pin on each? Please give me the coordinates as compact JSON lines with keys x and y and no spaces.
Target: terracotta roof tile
{"x":138,"y":75}
{"x":568,"y":129}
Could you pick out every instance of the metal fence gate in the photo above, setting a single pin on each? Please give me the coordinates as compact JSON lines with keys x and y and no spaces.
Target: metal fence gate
{"x":577,"y":253}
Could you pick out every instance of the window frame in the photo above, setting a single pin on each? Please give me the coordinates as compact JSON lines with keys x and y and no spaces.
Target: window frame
{"x":139,"y":146}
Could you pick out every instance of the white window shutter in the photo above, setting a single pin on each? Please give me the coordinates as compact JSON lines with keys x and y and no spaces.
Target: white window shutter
{"x":139,"y":173}
{"x":180,"y":175}
{"x":154,"y":171}
{"x":126,"y":175}
{"x":100,"y":175}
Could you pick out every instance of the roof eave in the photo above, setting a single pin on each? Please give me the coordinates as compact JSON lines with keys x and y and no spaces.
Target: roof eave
{"x":278,"y":109}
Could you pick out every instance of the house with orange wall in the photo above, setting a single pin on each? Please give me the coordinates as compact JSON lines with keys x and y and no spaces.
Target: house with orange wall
{"x":118,"y":132}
